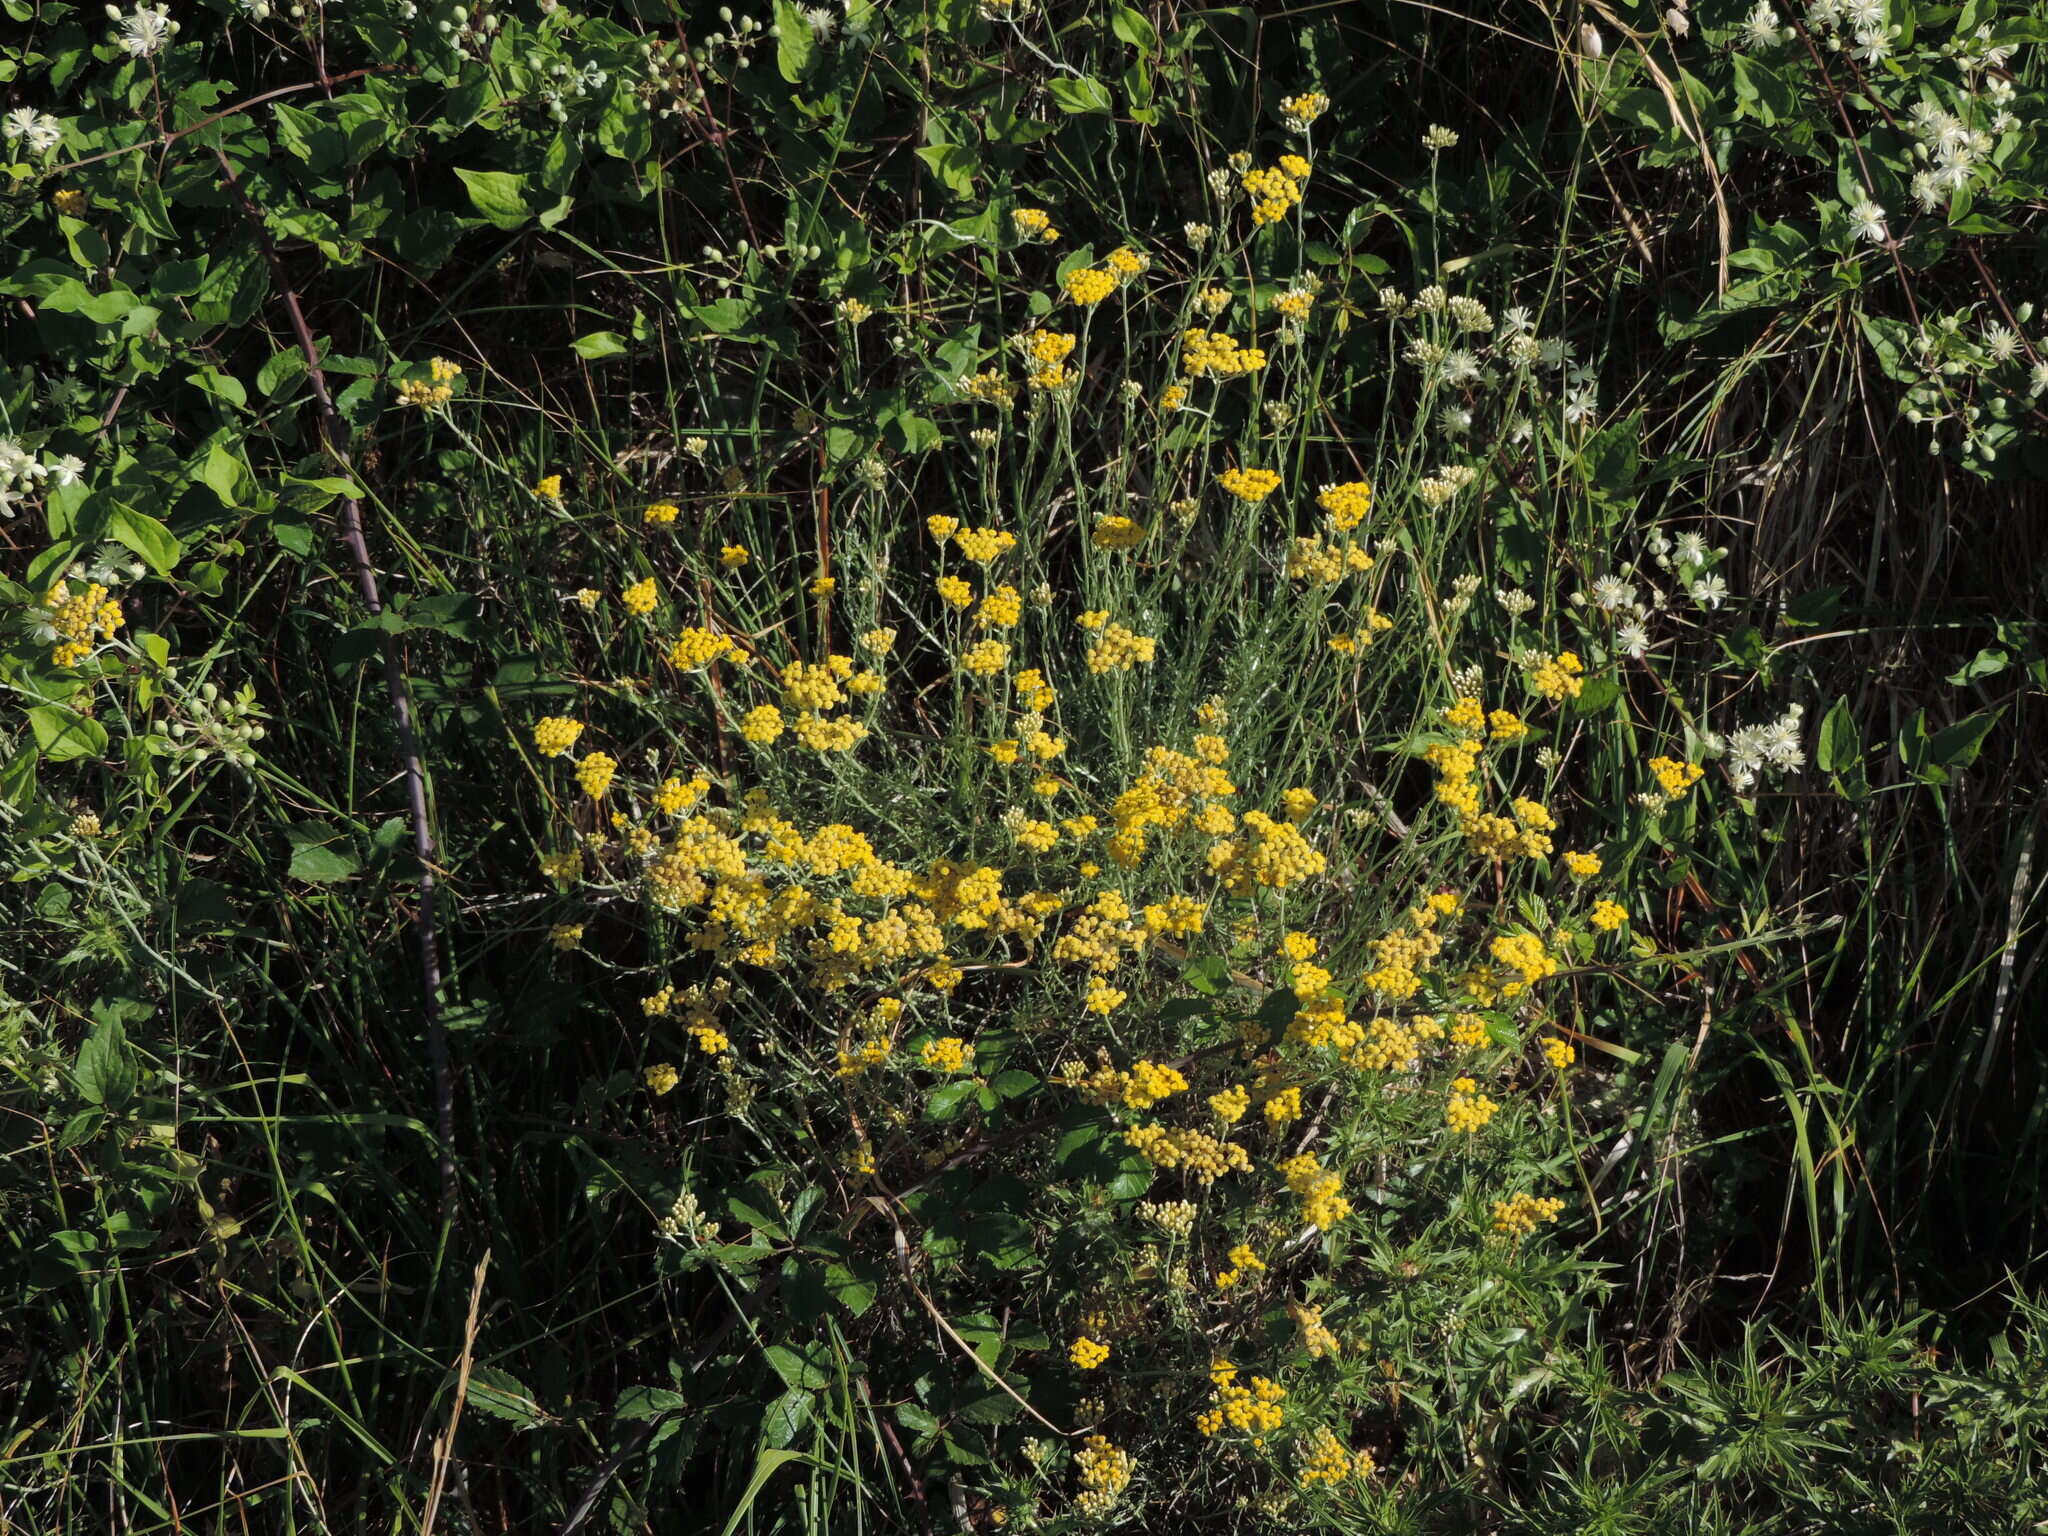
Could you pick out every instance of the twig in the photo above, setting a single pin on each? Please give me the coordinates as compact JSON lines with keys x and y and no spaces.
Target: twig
{"x":333,"y":433}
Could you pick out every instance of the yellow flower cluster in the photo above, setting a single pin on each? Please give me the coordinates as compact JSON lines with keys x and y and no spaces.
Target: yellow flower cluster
{"x":1299,"y":111}
{"x":1118,"y":532}
{"x":595,"y":772}
{"x":553,"y":735}
{"x":989,"y":387}
{"x":433,"y":391}
{"x":1089,"y":285}
{"x":1033,"y":224}
{"x":1675,"y":777}
{"x":1468,"y":1110}
{"x":981,"y":545}
{"x":1324,"y":565}
{"x":1525,"y":955}
{"x":1243,"y":1263}
{"x":640,"y":597}
{"x":1087,"y":1354}
{"x":80,"y":619}
{"x":1046,"y":354}
{"x":1326,"y":1459}
{"x":1150,"y":1082}
{"x":1126,"y":263}
{"x":1250,"y":486}
{"x":1274,"y":189}
{"x":1252,"y":1406}
{"x":1213,"y":355}
{"x":1557,"y":677}
{"x":1118,"y":649}
{"x":1105,"y":1472}
{"x":1273,"y":854}
{"x":1320,"y":1191}
{"x":1581,"y":866}
{"x":696,"y":648}
{"x":661,"y":512}
{"x":1205,"y":1157}
{"x":1315,"y":1338}
{"x":1608,"y":915}
{"x":1347,"y":505}
{"x":1520,"y":1214}
{"x":949,"y":1054}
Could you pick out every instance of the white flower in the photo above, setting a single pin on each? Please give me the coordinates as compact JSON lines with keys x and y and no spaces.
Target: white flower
{"x":2001,"y":343}
{"x":1632,"y":639}
{"x":67,"y":470}
{"x":1867,"y":221}
{"x":145,"y":32}
{"x":1455,"y":420}
{"x":1580,"y":405}
{"x":1760,"y":27}
{"x":1514,"y":600}
{"x":1824,"y":13}
{"x":1431,"y":300}
{"x":1708,"y":591}
{"x":1925,"y":192}
{"x":1554,"y":352}
{"x":1872,"y":47}
{"x":1677,"y":21}
{"x":1439,"y":137}
{"x":1460,"y":367}
{"x":1611,"y":594}
{"x":1516,"y":321}
{"x":2037,"y":379}
{"x":38,"y":130}
{"x":1691,"y":549}
{"x":1864,"y":15}
{"x":822,"y":22}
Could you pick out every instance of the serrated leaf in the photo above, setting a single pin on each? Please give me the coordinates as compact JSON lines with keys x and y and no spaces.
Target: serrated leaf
{"x":796,"y":1370}
{"x":320,"y":853}
{"x":503,"y":1396}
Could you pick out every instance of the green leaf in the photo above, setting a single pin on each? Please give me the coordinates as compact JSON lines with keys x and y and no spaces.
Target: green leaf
{"x":499,"y":196}
{"x":805,"y":1371}
{"x":953,"y":165}
{"x":105,"y":1072}
{"x":147,"y":537}
{"x":1082,"y":94}
{"x":320,"y":853}
{"x":796,"y":45}
{"x":1957,"y":746}
{"x":1131,"y":27}
{"x":599,"y":344}
{"x":64,"y":735}
{"x":503,"y":1396}
{"x":1596,"y":694}
{"x":1840,"y":745}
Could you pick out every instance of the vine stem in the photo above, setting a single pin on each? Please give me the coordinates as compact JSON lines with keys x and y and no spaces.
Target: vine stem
{"x":333,"y":434}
